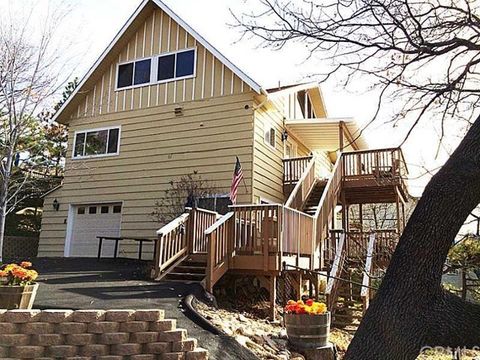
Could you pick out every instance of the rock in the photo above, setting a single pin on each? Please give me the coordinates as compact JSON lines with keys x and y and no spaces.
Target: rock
{"x":297,"y":356}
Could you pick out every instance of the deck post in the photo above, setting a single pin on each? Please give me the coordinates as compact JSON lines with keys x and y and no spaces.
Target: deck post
{"x":397,"y":203}
{"x":190,"y":229}
{"x":360,"y":214}
{"x":273,"y":296}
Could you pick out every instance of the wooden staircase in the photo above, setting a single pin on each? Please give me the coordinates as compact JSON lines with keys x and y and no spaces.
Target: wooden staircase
{"x":189,"y":270}
{"x":313,"y":201}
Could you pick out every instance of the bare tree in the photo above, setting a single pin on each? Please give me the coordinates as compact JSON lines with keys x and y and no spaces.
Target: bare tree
{"x":425,"y":55}
{"x":29,"y":76}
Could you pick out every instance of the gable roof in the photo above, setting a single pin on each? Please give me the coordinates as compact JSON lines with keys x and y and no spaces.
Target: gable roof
{"x":131,"y":23}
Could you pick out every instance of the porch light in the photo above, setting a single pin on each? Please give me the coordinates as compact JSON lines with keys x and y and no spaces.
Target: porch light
{"x":56,"y":205}
{"x":284,"y":135}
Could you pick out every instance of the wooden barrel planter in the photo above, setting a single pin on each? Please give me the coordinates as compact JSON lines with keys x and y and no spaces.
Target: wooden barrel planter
{"x":308,"y":331}
{"x":17,"y":297}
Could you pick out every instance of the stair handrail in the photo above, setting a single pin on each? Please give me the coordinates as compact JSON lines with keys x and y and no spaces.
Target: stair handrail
{"x":220,"y":237}
{"x":331,"y":291}
{"x":365,"y":292}
{"x":172,"y":243}
{"x":328,"y":201}
{"x":304,"y":185}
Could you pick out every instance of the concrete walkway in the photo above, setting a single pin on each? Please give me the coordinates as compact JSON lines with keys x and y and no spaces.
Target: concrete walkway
{"x":75,"y":283}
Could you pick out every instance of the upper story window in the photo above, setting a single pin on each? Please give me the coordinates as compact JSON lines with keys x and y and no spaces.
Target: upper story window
{"x":96,"y":142}
{"x":178,"y":65}
{"x":168,"y":67}
{"x":269,"y":135}
{"x":134,"y":73}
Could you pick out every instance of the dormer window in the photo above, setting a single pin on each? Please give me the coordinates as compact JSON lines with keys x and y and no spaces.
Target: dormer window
{"x":158,"y":69}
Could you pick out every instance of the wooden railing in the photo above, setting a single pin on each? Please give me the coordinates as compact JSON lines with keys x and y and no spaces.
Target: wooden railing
{"x":172,"y":244}
{"x":327,"y":202}
{"x":298,"y":237}
{"x":333,"y":283}
{"x":294,"y":168}
{"x":385,"y":244}
{"x":365,"y":293}
{"x":304,"y":185}
{"x":220,"y":246}
{"x":257,"y":229}
{"x":199,"y":221}
{"x":379,"y":164}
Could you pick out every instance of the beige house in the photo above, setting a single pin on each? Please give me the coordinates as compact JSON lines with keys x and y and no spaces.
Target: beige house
{"x":161,"y":102}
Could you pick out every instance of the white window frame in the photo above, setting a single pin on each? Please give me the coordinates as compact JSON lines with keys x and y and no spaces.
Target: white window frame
{"x":175,"y":65}
{"x":268,"y":127}
{"x":154,"y":69}
{"x":83,"y":157}
{"x":133,"y":78}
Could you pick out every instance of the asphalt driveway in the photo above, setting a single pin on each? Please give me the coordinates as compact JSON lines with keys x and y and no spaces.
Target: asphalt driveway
{"x":79,"y":283}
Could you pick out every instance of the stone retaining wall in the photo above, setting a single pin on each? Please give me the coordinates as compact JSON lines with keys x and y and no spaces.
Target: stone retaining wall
{"x":94,"y":334}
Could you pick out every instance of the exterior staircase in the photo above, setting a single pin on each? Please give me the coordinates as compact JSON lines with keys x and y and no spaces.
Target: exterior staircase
{"x":189,"y":270}
{"x":313,"y":201}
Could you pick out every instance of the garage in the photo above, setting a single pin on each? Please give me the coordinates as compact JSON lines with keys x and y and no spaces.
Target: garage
{"x":90,"y":221}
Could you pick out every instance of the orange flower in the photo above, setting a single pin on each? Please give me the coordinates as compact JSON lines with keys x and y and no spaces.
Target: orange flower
{"x":3,"y":273}
{"x":26,"y":264}
{"x":310,"y":307}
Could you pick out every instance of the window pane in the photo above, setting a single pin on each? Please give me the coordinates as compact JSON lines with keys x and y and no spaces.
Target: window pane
{"x":272,"y":137}
{"x":142,"y":71}
{"x":104,"y":209}
{"x":166,"y":66}
{"x":81,"y":211}
{"x":96,"y":142}
{"x":113,"y":141}
{"x":185,"y":63}
{"x":117,"y":209}
{"x":92,"y":210}
{"x":79,"y":142}
{"x":125,"y":75}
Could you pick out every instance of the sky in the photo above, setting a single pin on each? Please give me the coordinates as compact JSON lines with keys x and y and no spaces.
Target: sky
{"x":90,"y":25}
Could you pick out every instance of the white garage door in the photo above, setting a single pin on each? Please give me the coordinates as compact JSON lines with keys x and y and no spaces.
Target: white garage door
{"x":90,"y":221}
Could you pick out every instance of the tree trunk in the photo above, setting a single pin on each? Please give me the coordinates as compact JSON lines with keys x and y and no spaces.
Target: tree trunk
{"x":411,"y":310}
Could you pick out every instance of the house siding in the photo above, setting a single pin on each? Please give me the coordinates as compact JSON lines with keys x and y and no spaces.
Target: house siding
{"x":159,"y":34}
{"x":268,"y":162}
{"x":156,"y":147}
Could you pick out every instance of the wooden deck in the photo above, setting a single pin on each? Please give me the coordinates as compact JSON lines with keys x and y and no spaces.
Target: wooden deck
{"x":258,"y":239}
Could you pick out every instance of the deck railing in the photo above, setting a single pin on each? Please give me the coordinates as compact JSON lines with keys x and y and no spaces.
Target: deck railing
{"x":200,"y":220}
{"x":172,"y":244}
{"x":331,"y":291}
{"x":380,"y":164}
{"x":328,"y":201}
{"x":298,"y":237}
{"x":365,"y":293}
{"x":356,"y":245}
{"x":219,"y":238}
{"x":300,"y":192}
{"x":293,"y":169}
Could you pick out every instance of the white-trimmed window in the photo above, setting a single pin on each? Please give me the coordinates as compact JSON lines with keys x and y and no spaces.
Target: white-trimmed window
{"x":134,"y":73}
{"x":96,"y":142}
{"x":269,"y":135}
{"x":162,"y":68}
{"x":177,"y":65}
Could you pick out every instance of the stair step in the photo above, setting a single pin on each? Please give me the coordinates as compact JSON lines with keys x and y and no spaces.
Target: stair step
{"x":185,"y":276}
{"x":190,"y":269}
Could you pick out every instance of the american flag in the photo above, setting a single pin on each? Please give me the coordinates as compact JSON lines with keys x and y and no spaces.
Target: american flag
{"x":237,"y":177}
